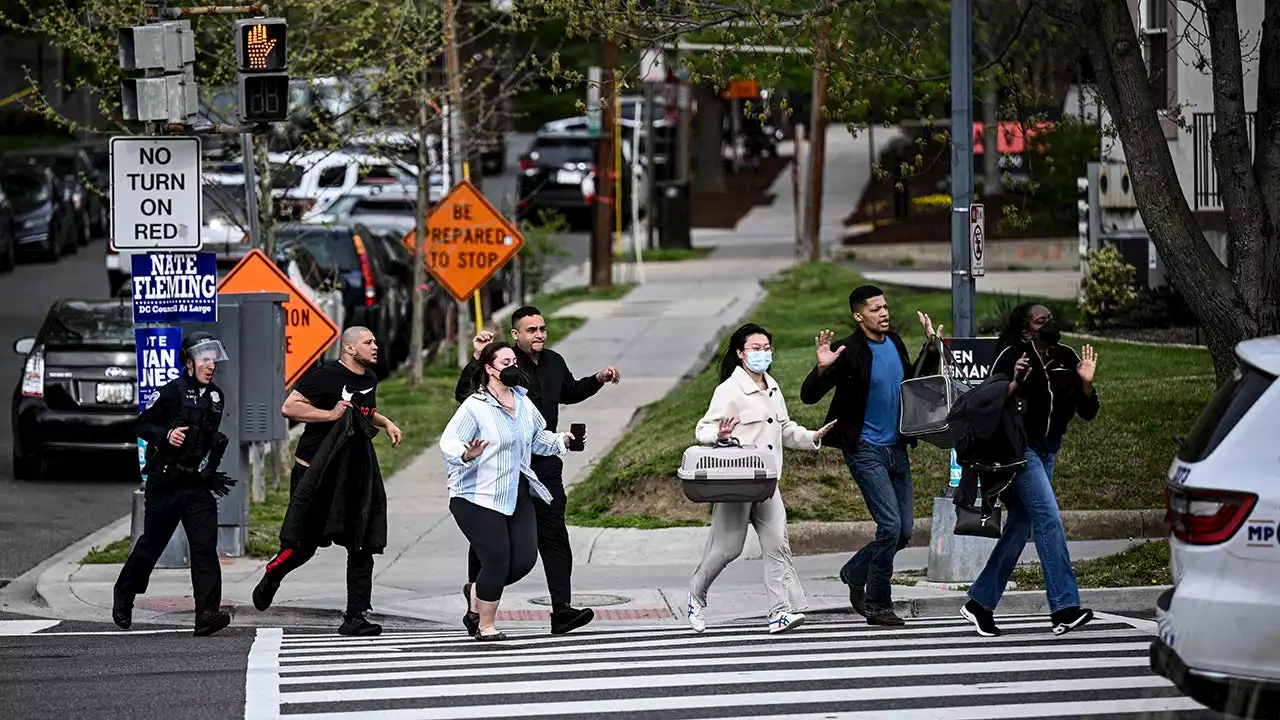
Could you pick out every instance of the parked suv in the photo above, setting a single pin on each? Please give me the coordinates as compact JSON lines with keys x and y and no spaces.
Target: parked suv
{"x":1219,"y":624}
{"x":552,"y":171}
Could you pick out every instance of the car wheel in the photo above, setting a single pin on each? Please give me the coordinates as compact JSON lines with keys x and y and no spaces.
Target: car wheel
{"x":86,"y":233}
{"x":29,"y":467}
{"x":53,"y":249}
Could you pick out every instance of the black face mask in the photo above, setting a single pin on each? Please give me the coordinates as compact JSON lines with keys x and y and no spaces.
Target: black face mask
{"x":510,"y":376}
{"x":1050,"y":334}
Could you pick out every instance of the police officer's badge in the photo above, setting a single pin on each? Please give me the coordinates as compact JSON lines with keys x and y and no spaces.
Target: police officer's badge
{"x":214,"y":396}
{"x":151,"y":398}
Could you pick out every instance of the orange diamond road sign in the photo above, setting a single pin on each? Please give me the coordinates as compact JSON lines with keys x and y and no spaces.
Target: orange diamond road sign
{"x":308,"y":332}
{"x":468,"y":241}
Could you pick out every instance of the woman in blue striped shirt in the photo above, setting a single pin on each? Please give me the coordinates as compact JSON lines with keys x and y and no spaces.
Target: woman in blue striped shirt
{"x":487,"y":446}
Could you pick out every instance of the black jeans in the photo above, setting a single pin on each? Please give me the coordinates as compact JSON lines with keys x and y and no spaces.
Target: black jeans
{"x":359,"y":562}
{"x":553,"y":534}
{"x":506,"y":544}
{"x":167,"y":506}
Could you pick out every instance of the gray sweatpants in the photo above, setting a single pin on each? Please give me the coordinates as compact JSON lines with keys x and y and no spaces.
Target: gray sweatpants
{"x":729,"y":523}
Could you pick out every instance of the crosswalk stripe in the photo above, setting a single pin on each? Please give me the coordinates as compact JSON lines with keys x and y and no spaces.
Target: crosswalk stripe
{"x":705,"y":653}
{"x":821,"y":671}
{"x":589,"y":667}
{"x":704,"y":679}
{"x":773,"y":697}
{"x":672,"y":637}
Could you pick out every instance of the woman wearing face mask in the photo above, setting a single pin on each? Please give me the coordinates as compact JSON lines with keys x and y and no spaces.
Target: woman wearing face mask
{"x":1056,"y":385}
{"x":748,"y":406}
{"x":487,"y":446}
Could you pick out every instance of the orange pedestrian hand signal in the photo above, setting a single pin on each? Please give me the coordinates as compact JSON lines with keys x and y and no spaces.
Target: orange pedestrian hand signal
{"x":259,"y":46}
{"x":468,"y":241}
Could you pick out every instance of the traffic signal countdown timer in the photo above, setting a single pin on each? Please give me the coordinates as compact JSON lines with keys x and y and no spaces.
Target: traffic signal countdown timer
{"x":262,"y":63}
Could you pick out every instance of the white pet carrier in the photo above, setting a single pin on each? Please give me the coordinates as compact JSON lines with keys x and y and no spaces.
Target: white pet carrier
{"x":728,"y":472}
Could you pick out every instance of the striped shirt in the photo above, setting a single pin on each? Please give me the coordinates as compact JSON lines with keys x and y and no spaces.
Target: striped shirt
{"x":492,"y":480}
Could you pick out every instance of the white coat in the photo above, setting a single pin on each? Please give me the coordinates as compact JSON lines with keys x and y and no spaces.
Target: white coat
{"x":762,"y":416}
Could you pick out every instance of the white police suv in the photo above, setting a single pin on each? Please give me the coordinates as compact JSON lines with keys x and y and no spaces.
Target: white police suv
{"x":1219,"y":626}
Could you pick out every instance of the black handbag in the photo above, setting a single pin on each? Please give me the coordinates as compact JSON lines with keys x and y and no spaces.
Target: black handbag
{"x":977,"y":522}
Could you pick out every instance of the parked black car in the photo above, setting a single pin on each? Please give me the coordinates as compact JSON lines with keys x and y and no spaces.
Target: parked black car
{"x":551,"y":175}
{"x":43,"y":217}
{"x":76,"y":392}
{"x":80,"y":179}
{"x":342,"y":254}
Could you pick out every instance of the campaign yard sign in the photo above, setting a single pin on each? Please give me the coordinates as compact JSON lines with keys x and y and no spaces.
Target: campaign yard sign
{"x":175,"y":288}
{"x":158,"y":360}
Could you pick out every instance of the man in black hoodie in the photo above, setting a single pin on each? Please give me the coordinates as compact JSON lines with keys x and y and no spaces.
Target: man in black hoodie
{"x":867,"y":369}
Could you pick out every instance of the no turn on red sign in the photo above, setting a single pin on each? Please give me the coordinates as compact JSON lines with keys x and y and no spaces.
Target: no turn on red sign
{"x":468,"y":241}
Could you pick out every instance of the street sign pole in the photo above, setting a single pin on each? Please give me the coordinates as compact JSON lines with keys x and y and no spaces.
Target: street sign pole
{"x":962,"y":286}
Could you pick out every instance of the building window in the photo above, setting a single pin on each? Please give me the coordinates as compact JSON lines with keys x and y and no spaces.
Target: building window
{"x":1155,"y":33}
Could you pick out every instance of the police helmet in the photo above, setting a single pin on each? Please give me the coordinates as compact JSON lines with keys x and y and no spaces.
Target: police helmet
{"x":203,"y":346}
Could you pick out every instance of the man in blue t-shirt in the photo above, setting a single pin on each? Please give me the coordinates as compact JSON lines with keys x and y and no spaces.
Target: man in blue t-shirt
{"x":867,"y":369}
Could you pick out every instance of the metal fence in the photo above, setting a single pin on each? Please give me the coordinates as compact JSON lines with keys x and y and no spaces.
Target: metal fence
{"x":1205,"y":191}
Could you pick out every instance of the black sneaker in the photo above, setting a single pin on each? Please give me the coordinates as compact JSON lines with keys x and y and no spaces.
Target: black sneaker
{"x":570,"y":619}
{"x":889,"y":619}
{"x":983,"y":619}
{"x":358,"y":625}
{"x":211,"y":621}
{"x":121,"y":609}
{"x":265,"y":592}
{"x":1068,"y":619}
{"x":857,"y":597}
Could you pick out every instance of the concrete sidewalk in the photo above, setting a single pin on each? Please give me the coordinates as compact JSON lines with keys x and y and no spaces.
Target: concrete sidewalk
{"x":661,"y":332}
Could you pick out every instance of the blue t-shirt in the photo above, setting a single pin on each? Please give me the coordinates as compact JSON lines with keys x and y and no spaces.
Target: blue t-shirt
{"x":880,"y":427}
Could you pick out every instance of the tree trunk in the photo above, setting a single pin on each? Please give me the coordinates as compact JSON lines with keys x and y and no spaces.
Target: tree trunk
{"x":1222,"y":309}
{"x":709,"y":154}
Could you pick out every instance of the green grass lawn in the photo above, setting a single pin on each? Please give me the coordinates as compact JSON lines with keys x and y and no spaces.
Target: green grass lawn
{"x":1144,"y":563}
{"x":421,"y":413}
{"x":1116,"y":462}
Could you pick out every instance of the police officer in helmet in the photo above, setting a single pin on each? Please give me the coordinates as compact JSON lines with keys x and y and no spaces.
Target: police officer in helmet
{"x":184,"y":448}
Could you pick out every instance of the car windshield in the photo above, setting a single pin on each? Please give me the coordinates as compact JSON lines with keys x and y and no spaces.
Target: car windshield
{"x":332,"y":249}
{"x":84,"y":322}
{"x":562,"y":151}
{"x":1230,"y":403}
{"x":25,"y":186}
{"x":285,"y":176}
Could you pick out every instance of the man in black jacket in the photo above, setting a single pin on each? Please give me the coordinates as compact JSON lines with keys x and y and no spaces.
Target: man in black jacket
{"x":867,"y":369}
{"x":550,"y":384}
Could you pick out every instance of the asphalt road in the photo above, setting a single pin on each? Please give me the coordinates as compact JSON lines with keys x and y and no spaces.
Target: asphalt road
{"x":932,"y":668}
{"x":37,"y":519}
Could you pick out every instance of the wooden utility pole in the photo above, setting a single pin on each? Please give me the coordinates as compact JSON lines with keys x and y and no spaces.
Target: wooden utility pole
{"x":817,"y":140}
{"x":606,"y":203}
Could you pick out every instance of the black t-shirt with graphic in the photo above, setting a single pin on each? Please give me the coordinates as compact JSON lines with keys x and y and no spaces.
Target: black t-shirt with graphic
{"x":323,"y":387}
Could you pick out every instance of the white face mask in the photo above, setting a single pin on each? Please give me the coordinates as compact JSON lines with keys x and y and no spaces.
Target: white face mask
{"x":759,"y":360}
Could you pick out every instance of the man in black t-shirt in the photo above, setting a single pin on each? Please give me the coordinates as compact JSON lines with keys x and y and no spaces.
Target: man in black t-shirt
{"x":319,"y":399}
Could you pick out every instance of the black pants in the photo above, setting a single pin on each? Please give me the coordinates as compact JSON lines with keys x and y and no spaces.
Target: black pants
{"x":359,"y":562}
{"x":197,"y":510}
{"x":553,"y":534}
{"x":506,"y":544}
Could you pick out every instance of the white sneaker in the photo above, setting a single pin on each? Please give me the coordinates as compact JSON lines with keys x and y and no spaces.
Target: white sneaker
{"x":697,"y":615}
{"x":784,"y":621}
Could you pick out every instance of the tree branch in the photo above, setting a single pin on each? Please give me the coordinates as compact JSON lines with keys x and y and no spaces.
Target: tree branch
{"x":1266,"y":157}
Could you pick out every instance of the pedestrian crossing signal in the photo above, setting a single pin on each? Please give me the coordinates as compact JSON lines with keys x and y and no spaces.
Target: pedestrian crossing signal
{"x":261,"y":45}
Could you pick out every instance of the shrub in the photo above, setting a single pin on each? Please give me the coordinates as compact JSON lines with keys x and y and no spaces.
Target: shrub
{"x":1107,"y":293}
{"x":540,"y":247}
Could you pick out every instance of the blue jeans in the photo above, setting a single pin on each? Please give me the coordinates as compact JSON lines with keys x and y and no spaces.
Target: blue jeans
{"x":1033,"y":507}
{"x":883,"y":475}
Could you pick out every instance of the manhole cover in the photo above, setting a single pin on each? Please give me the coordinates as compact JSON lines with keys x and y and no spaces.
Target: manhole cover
{"x":586,"y":600}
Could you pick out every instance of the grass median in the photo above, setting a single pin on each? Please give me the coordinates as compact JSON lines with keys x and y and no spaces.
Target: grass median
{"x":421,"y":413}
{"x":1116,"y":462}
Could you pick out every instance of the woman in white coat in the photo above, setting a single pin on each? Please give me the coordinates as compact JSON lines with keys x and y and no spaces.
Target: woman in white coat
{"x":748,"y":406}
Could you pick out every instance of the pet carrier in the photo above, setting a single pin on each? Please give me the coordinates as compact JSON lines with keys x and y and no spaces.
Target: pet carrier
{"x":728,"y":472}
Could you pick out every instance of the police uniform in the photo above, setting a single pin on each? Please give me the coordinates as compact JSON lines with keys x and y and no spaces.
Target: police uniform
{"x":180,"y":487}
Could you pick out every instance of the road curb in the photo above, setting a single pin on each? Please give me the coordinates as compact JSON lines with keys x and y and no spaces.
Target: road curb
{"x":818,"y":538}
{"x":1020,"y":602}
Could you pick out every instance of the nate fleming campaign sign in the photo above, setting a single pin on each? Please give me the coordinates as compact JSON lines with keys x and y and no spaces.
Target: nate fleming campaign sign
{"x":175,"y":288}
